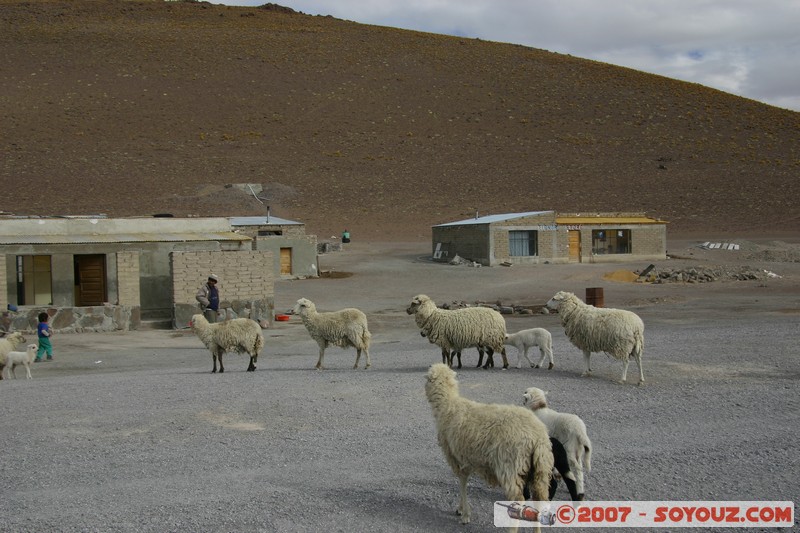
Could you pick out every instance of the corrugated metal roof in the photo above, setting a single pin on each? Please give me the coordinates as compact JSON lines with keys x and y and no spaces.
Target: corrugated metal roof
{"x":121,"y":237}
{"x":567,"y":220}
{"x":490,"y":219}
{"x":261,"y":221}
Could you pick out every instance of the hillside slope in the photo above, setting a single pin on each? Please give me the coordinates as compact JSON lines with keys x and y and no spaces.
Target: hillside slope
{"x":136,"y":108}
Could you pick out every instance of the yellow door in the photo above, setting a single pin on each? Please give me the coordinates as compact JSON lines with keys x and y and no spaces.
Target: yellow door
{"x":286,"y":261}
{"x":574,"y":246}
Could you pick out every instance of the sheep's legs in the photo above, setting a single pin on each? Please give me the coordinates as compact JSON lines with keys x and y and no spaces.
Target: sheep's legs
{"x":638,"y":357}
{"x":546,"y":352}
{"x":321,"y":357}
{"x":367,"y":363}
{"x":252,"y":366}
{"x":586,"y":357}
{"x":524,"y":352}
{"x":463,"y":505}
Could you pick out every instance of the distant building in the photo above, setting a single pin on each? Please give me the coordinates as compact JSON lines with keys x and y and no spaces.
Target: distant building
{"x":295,"y":252}
{"x":544,"y":236}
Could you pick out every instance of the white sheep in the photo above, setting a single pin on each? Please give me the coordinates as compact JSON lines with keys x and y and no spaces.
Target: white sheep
{"x":14,"y":359}
{"x":343,"y":328}
{"x":506,"y":445}
{"x":569,"y":430}
{"x":7,"y":344}
{"x":454,"y":330}
{"x":241,"y":335}
{"x":617,"y":332}
{"x":528,"y":338}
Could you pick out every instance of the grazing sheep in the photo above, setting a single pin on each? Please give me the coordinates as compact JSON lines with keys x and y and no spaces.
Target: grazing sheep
{"x":241,"y":335}
{"x":343,"y":328}
{"x":8,"y":344}
{"x":618,"y":333}
{"x":568,"y":429}
{"x":560,"y":470}
{"x":14,"y":359}
{"x":453,"y":330}
{"x":528,"y":338}
{"x":506,"y":445}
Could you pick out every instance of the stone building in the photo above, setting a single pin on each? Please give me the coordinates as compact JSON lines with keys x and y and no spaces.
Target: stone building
{"x":547,"y":237}
{"x":101,"y":274}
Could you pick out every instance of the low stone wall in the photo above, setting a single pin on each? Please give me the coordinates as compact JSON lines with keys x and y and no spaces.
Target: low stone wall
{"x":97,"y":318}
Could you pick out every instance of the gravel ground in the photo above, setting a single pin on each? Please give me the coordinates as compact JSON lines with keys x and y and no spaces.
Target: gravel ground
{"x":131,"y":431}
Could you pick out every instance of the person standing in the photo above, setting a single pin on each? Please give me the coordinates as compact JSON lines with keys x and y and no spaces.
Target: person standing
{"x":345,"y":236}
{"x":208,"y":296}
{"x":44,"y":332}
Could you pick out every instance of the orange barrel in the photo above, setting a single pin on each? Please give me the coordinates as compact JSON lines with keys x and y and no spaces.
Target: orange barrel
{"x":594,"y":296}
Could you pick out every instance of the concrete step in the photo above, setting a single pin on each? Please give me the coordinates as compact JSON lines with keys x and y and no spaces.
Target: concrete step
{"x":155,"y":323}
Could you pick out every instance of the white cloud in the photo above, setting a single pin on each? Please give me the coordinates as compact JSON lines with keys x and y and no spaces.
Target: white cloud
{"x":745,"y":47}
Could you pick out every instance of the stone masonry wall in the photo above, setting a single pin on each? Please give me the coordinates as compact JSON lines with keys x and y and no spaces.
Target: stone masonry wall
{"x":246,"y":283}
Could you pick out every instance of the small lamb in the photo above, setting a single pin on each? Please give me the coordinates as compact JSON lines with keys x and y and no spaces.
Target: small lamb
{"x":567,"y":428}
{"x":13,"y":359}
{"x":528,"y":338}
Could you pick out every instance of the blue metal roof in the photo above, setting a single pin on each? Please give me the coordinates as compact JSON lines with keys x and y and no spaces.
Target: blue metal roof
{"x":490,"y":219}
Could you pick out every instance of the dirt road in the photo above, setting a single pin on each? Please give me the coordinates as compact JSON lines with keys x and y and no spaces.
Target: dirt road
{"x":131,"y":431}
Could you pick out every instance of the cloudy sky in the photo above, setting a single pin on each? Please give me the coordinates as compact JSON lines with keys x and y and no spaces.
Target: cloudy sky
{"x":749,"y":48}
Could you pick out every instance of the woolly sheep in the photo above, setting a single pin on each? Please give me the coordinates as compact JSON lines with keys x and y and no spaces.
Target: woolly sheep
{"x":505,"y":445}
{"x":453,"y":330}
{"x":568,"y":429}
{"x":528,"y":338}
{"x":8,"y":344}
{"x":241,"y":335}
{"x":617,"y":332}
{"x":343,"y":328}
{"x":14,"y":359}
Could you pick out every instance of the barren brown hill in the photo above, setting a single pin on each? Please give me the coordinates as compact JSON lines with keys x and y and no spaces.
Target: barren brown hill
{"x":137,"y":108}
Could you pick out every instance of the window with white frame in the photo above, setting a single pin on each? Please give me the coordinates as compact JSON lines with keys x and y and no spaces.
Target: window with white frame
{"x":523,"y":243}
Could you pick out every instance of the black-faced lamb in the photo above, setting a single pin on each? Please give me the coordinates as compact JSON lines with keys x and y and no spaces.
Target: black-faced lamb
{"x":570,"y":431}
{"x":241,"y":335}
{"x":617,"y":332}
{"x":8,"y":344}
{"x":506,"y":445}
{"x":454,"y":330}
{"x":529,"y":338}
{"x":14,"y":359}
{"x":343,"y":328}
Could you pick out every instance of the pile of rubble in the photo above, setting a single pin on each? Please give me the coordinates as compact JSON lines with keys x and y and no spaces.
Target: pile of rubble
{"x":705,"y":274}
{"x":499,"y":307}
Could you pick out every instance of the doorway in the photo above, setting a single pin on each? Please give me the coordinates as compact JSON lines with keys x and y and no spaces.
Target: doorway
{"x":574,"y":246}
{"x":90,"y":280}
{"x":286,"y":261}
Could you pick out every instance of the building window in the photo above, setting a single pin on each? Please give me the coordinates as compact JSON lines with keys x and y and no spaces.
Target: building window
{"x":34,"y":280}
{"x":523,"y":243}
{"x":611,"y":241}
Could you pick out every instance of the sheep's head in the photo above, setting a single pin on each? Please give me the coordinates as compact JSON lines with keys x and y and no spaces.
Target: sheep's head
{"x":416,"y":302}
{"x":303,"y":306}
{"x":197,"y":319}
{"x":16,"y":338}
{"x":555,"y":302}
{"x":534,"y":398}
{"x":32,"y":348}
{"x":441,"y":382}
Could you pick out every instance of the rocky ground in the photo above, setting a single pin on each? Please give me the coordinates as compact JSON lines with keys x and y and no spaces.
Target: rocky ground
{"x":131,"y":432}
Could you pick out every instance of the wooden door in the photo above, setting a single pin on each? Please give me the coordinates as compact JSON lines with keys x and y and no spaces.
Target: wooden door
{"x":286,"y":261}
{"x":574,"y":246}
{"x":90,"y":279}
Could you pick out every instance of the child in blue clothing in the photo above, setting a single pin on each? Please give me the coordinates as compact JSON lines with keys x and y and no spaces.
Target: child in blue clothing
{"x":43,"y":331}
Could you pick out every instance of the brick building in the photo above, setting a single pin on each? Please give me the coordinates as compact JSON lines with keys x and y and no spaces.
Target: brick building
{"x":544,"y":236}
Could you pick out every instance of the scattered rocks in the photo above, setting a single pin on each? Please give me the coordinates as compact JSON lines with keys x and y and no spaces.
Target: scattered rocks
{"x":706,"y":274}
{"x":499,"y":307}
